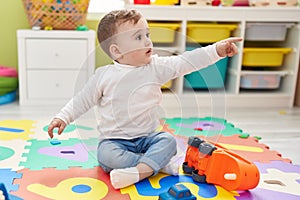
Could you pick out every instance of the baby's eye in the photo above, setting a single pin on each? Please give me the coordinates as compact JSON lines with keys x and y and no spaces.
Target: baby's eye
{"x":139,"y":37}
{"x":147,"y":35}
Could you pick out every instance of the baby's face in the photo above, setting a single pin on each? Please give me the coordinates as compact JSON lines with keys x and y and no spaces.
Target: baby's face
{"x":133,"y":43}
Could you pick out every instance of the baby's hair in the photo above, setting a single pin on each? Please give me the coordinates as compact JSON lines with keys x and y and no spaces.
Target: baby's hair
{"x":108,"y":25}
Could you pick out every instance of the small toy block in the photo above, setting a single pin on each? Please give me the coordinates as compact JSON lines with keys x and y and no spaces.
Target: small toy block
{"x":15,"y":129}
{"x":70,"y":153}
{"x":74,"y":183}
{"x":7,"y":177}
{"x":244,"y":135}
{"x":257,"y":137}
{"x":210,"y":126}
{"x":55,"y":142}
{"x":198,"y":129}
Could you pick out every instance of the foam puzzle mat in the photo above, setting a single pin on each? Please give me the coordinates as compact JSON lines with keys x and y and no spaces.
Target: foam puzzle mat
{"x":33,"y":168}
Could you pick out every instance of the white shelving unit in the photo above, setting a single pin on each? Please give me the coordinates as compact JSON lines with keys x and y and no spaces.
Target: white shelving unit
{"x":53,"y":65}
{"x":232,"y":95}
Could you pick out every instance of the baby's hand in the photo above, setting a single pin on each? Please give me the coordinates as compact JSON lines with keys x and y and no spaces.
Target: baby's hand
{"x":56,"y":123}
{"x":227,"y":47}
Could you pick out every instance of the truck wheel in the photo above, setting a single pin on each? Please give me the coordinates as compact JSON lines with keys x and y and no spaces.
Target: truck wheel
{"x":194,"y":141}
{"x":186,"y":169}
{"x":198,"y":178}
{"x":207,"y":148}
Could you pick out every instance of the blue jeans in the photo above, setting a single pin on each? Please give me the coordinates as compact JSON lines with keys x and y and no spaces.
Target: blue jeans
{"x":154,"y":150}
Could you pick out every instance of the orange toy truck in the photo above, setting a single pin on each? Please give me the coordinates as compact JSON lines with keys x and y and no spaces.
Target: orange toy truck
{"x":212,"y":163}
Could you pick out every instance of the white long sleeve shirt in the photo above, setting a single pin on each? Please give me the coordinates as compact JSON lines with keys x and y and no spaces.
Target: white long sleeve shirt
{"x":127,"y":97}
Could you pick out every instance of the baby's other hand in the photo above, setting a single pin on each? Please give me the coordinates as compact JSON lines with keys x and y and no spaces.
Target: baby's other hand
{"x":56,"y":123}
{"x":227,"y":47}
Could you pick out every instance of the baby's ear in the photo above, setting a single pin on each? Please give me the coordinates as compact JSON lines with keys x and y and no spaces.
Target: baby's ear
{"x":114,"y":51}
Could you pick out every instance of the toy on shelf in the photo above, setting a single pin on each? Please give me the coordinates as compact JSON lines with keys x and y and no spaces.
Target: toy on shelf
{"x":282,"y":3}
{"x":215,"y":2}
{"x":177,"y":192}
{"x":212,"y":163}
{"x":56,"y":14}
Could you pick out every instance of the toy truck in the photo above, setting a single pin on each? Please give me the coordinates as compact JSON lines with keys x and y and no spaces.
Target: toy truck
{"x":177,"y":192}
{"x":214,"y":164}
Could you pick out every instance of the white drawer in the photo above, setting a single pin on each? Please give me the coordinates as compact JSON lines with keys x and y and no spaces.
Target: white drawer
{"x":56,"y":53}
{"x":50,"y":84}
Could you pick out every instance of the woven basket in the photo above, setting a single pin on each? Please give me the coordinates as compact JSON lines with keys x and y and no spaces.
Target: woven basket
{"x":57,"y":14}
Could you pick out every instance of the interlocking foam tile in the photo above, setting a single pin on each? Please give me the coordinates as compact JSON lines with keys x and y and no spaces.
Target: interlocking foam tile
{"x":165,"y":127}
{"x":71,"y":131}
{"x":283,"y":166}
{"x":249,"y":148}
{"x":70,"y":153}
{"x":7,"y":177}
{"x":11,"y":153}
{"x":149,"y":189}
{"x":209,"y":126}
{"x":75,"y":183}
{"x":278,"y":180}
{"x":15,"y":129}
{"x":67,"y":171}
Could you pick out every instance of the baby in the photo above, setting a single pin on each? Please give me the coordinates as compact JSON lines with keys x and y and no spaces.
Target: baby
{"x":127,"y":94}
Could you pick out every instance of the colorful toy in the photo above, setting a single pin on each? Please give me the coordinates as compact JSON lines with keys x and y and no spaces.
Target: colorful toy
{"x":8,"y":71}
{"x":212,"y":163}
{"x":48,"y":28}
{"x":7,"y":98}
{"x":8,"y":81}
{"x":55,"y":142}
{"x":82,"y":28}
{"x":177,"y":192}
{"x":4,"y":195}
{"x":36,"y":28}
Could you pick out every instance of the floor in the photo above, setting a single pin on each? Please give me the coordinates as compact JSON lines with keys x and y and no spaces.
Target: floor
{"x":279,"y":128}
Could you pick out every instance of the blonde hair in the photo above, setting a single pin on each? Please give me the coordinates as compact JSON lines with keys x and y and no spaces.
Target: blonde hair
{"x":108,"y":25}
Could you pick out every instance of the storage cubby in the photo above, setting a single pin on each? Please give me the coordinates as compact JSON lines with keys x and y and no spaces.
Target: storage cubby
{"x":269,"y":29}
{"x":53,"y":65}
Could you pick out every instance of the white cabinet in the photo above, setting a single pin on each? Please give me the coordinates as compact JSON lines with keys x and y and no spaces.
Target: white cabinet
{"x":233,"y":94}
{"x":53,"y":65}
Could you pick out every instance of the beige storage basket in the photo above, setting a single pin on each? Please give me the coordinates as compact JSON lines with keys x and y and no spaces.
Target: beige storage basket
{"x":56,"y":14}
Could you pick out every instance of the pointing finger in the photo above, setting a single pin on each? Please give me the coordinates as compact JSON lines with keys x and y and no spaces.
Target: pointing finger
{"x":233,"y":39}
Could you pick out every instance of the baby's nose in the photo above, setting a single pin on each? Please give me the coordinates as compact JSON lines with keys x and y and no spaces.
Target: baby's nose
{"x":148,"y":43}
